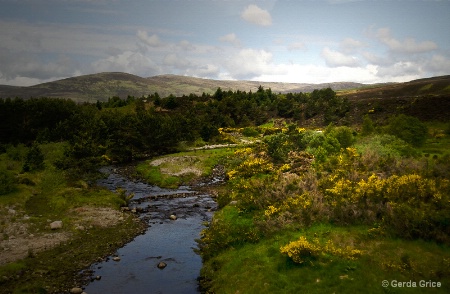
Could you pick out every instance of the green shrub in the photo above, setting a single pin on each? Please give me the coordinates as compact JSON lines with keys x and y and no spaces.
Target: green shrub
{"x":367,"y":126}
{"x":7,"y":182}
{"x":385,"y":146}
{"x":34,"y":159}
{"x":250,"y":132}
{"x":343,"y":134}
{"x":408,"y":128}
{"x":278,"y":147}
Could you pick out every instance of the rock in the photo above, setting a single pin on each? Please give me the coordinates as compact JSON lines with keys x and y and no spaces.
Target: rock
{"x":343,"y":277}
{"x":116,"y":258}
{"x":162,"y":265}
{"x":56,"y":225}
{"x":76,"y":290}
{"x":173,"y":217}
{"x":98,"y":278}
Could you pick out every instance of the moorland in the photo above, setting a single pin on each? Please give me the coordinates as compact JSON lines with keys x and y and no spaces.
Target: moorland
{"x":326,"y":190}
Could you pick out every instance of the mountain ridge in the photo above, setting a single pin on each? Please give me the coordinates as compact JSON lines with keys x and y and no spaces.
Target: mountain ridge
{"x":101,"y":86}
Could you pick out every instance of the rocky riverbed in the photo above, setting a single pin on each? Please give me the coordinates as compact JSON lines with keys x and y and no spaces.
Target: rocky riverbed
{"x":162,"y":259}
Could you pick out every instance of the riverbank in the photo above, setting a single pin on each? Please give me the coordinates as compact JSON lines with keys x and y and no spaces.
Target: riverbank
{"x":51,"y":229}
{"x":36,"y":258}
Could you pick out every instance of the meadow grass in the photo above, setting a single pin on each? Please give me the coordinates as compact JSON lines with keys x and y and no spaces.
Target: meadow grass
{"x":45,"y":195}
{"x":165,"y":174}
{"x":261,"y":268}
{"x":438,"y":142}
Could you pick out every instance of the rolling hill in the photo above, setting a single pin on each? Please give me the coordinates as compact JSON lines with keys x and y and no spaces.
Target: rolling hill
{"x":101,"y":86}
{"x":428,"y":99}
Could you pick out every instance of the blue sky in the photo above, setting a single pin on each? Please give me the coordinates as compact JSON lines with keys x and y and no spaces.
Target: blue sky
{"x":301,"y":41}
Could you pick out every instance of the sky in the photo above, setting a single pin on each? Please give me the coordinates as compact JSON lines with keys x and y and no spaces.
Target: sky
{"x":295,"y":41}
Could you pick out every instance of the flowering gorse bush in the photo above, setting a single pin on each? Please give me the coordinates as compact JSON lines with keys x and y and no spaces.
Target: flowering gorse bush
{"x":250,"y":163}
{"x":410,"y":205}
{"x":302,"y":250}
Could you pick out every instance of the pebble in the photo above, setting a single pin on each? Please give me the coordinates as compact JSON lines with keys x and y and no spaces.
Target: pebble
{"x":56,"y":225}
{"x":76,"y":290}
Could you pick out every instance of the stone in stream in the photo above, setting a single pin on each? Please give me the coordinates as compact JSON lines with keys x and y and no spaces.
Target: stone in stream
{"x":162,"y":265}
{"x":173,"y":217}
{"x":116,"y":258}
{"x":76,"y":290}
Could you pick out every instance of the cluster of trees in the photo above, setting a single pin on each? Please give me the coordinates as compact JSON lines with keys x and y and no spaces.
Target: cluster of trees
{"x":122,"y":130}
{"x":153,"y":125}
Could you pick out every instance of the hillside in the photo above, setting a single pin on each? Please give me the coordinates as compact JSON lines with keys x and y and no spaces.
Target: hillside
{"x":101,"y":86}
{"x":428,"y":99}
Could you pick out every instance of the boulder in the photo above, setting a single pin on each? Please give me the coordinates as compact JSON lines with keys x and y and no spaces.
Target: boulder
{"x":56,"y":225}
{"x":173,"y":217}
{"x":76,"y":290}
{"x":161,"y":265}
{"x":116,"y":258}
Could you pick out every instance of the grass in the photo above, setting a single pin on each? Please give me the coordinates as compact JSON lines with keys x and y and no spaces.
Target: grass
{"x":46,"y":195}
{"x":261,"y":268}
{"x":170,"y":172}
{"x":438,"y":142}
{"x":53,"y":271}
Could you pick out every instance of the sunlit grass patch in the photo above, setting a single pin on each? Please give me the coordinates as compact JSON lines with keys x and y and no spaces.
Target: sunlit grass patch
{"x":173,"y":170}
{"x":261,"y":268}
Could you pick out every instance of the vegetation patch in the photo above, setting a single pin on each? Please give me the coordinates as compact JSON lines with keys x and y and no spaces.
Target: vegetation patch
{"x":261,"y":268}
{"x":173,"y":170}
{"x":36,"y":258}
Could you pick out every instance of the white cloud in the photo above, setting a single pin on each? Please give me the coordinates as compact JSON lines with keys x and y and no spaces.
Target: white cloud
{"x":409,"y":45}
{"x":257,"y":16}
{"x":232,"y":39}
{"x":349,"y":45}
{"x":439,"y":64}
{"x":172,"y":59}
{"x":336,"y":59}
{"x":297,"y":46}
{"x":152,"y":41}
{"x":209,"y":70}
{"x":248,"y":63}
{"x":186,"y":45}
{"x":129,"y":62}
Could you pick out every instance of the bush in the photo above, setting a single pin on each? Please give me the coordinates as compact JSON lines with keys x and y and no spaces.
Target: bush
{"x":408,"y":128}
{"x":367,"y":126}
{"x":385,"y":146}
{"x":6,"y":181}
{"x":302,"y":250}
{"x":34,"y":159}
{"x":250,"y":132}
{"x":343,"y":134}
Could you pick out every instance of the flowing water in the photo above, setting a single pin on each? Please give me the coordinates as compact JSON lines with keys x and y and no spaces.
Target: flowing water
{"x":169,"y":241}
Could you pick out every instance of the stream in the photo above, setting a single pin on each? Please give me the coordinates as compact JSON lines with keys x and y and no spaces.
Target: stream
{"x":175,"y":219}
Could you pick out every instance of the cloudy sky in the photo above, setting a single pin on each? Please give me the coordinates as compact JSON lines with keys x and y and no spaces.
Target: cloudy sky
{"x":308,"y":41}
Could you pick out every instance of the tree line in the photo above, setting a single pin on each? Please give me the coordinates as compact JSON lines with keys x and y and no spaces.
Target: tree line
{"x":121,"y":130}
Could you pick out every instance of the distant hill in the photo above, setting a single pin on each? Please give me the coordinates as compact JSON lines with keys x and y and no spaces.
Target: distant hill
{"x":101,"y":86}
{"x":428,"y":99}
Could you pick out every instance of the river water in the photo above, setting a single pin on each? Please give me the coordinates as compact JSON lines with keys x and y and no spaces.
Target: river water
{"x":165,"y":240}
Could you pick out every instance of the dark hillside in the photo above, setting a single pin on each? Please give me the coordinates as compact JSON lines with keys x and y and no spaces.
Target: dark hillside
{"x":427,"y":99}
